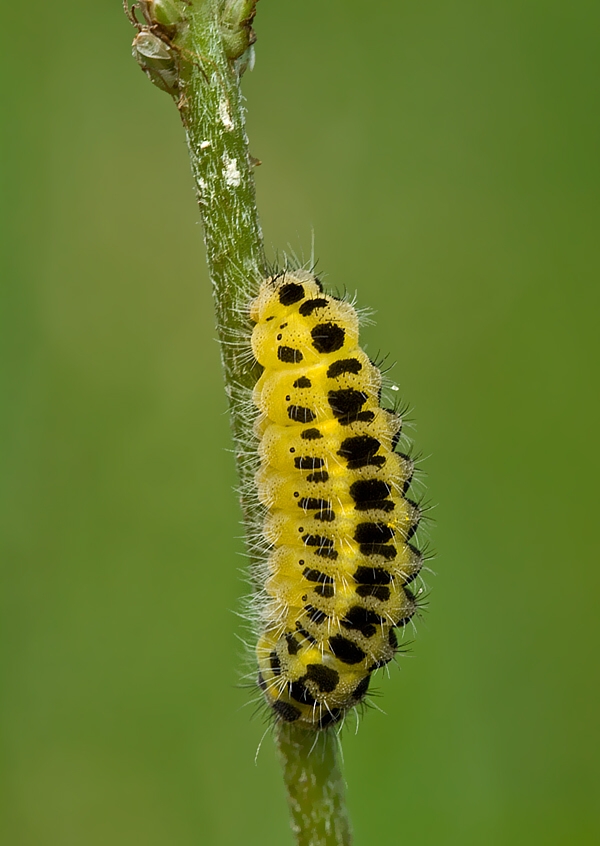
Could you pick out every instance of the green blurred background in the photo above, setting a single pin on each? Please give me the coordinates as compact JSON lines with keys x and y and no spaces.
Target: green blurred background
{"x":446,"y":155}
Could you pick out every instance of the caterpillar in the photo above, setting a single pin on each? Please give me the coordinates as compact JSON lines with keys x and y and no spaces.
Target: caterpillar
{"x":337,"y":521}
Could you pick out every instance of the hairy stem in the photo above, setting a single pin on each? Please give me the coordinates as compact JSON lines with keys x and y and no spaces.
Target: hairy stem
{"x":195,"y":52}
{"x":315,"y":786}
{"x":212,"y":112}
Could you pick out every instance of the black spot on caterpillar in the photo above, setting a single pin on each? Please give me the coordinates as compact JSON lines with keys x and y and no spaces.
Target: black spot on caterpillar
{"x":338,"y":521}
{"x":373,"y":576}
{"x":373,"y":533}
{"x":285,"y":711}
{"x":344,"y":365}
{"x":309,"y":306}
{"x":369,"y":494}
{"x":380,"y":592}
{"x":325,"y":678}
{"x":346,"y":650}
{"x":289,"y":355}
{"x":292,"y":644}
{"x":323,"y":476}
{"x":317,"y":576}
{"x":359,"y":448}
{"x":300,"y":692}
{"x":346,"y":404}
{"x":300,"y":414}
{"x":362,"y":620}
{"x":311,"y":435}
{"x":308,"y":463}
{"x":326,"y":591}
{"x":361,"y":688}
{"x":312,"y":504}
{"x":315,"y":614}
{"x":290,"y":293}
{"x":328,"y":337}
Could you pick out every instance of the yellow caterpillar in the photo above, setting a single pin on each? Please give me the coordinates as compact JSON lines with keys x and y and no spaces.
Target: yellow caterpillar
{"x":338,"y":523}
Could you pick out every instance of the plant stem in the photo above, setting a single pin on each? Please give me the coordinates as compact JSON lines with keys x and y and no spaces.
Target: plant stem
{"x":208,"y":96}
{"x":315,"y":786}
{"x":212,"y":112}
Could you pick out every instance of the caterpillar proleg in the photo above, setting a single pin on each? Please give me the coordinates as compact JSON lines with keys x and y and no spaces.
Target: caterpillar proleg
{"x":338,"y":523}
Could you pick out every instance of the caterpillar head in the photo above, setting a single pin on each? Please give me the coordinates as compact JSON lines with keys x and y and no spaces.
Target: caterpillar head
{"x":299,"y":325}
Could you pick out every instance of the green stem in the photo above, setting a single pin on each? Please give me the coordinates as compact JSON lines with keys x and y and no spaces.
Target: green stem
{"x":186,"y":56}
{"x":212,"y":112}
{"x":315,"y":786}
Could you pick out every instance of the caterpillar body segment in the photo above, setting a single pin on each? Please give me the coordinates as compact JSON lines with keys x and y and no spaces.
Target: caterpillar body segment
{"x":338,"y":523}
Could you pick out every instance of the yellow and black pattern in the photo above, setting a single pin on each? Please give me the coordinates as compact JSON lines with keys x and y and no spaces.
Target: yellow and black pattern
{"x":338,"y":522}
